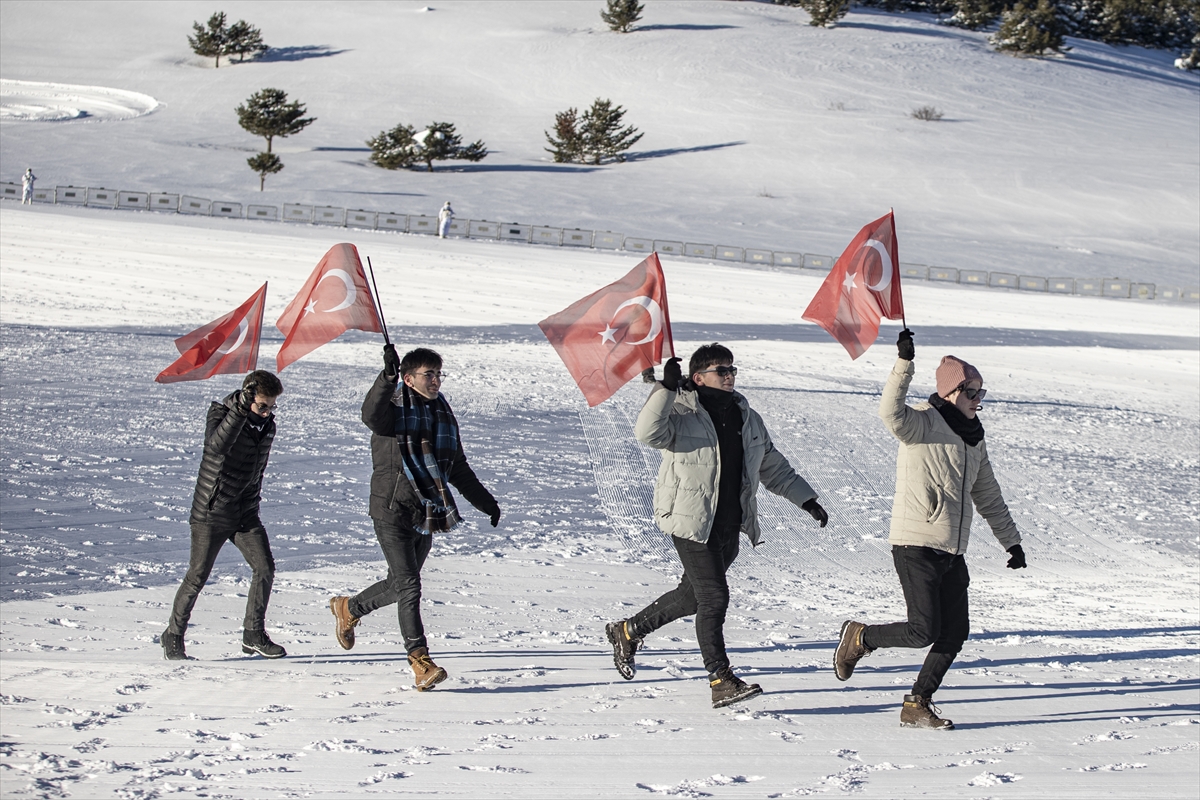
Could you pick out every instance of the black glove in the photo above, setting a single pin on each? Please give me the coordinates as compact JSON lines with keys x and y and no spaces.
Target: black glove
{"x":1017,"y":561}
{"x":391,"y":362}
{"x":246,"y":398}
{"x":818,"y":513}
{"x":494,"y":516}
{"x":904,"y":345}
{"x":672,"y":374}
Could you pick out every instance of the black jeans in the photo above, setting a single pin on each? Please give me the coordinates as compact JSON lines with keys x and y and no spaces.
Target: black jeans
{"x":207,"y":541}
{"x":935,"y":590}
{"x":702,"y":591}
{"x":405,"y":549}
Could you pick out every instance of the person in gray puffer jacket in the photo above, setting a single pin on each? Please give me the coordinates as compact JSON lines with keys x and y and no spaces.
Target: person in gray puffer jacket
{"x":943,"y":475}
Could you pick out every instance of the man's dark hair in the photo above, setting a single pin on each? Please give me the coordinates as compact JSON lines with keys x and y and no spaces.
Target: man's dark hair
{"x":265,"y":383}
{"x":708,"y":355}
{"x":421,"y":357}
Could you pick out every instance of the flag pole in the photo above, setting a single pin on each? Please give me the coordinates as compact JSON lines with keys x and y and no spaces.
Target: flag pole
{"x":378,"y":304}
{"x":903,"y":321}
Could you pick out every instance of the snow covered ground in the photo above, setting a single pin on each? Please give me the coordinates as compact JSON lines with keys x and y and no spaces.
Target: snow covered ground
{"x":1082,"y":675}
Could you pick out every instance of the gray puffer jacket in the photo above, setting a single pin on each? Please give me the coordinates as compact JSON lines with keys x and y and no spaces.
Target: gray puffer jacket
{"x":685,"y":496}
{"x":938,"y":476}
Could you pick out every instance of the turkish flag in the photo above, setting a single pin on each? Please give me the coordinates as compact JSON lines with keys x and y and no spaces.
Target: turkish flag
{"x":863,"y":286}
{"x":225,"y":346}
{"x":610,"y":336}
{"x":333,"y":300}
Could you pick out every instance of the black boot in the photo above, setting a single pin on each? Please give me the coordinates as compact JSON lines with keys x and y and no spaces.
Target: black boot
{"x":625,"y":645}
{"x":258,"y":642}
{"x":172,"y":645}
{"x":728,"y":688}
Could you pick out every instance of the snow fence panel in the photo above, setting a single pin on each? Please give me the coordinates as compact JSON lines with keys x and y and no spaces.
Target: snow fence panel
{"x":329,"y":215}
{"x":296,"y":212}
{"x":358,"y":218}
{"x":1190,"y":293}
{"x":133,"y":200}
{"x":700,"y":250}
{"x":914,"y":272}
{"x":973,"y":277}
{"x":946,"y":274}
{"x":1089,"y":286}
{"x":726,"y":253}
{"x":607,"y":240}
{"x":482,"y":229}
{"x":163,"y":201}
{"x":262,"y":212}
{"x":788,"y":259}
{"x":1002,"y":280}
{"x":1170,"y":293}
{"x":758,"y":256}
{"x":71,"y":195}
{"x":668,"y":248}
{"x":1142,"y":291}
{"x":101,"y":198}
{"x":391,"y":222}
{"x":43,"y":195}
{"x":458,"y":227}
{"x":1061,"y":285}
{"x":1032,"y":283}
{"x":636,"y":245}
{"x":10,"y":191}
{"x":1115,"y":287}
{"x":543,"y":235}
{"x":422,"y":224}
{"x":194,"y":205}
{"x":221,"y":209}
{"x":577,"y":237}
{"x":513,"y":232}
{"x":821,"y":263}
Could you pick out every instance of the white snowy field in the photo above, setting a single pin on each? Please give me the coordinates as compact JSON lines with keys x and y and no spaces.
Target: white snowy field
{"x":1080,"y":679}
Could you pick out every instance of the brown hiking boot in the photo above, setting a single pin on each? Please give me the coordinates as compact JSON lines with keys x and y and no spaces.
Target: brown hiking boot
{"x":849,"y":650}
{"x":728,"y":688}
{"x":344,"y":628}
{"x":920,"y":712}
{"x":428,"y":674}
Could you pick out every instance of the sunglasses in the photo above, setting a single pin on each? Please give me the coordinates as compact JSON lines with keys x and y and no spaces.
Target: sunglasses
{"x":722,"y":372}
{"x":973,"y":394}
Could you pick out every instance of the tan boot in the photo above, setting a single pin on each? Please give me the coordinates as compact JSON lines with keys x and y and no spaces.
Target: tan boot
{"x":920,"y":712}
{"x":344,"y":627}
{"x":427,"y":673}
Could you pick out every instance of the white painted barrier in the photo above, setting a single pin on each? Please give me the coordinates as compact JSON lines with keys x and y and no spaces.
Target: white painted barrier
{"x":10,"y":191}
{"x":1142,"y":291}
{"x":391,"y":222}
{"x":946,"y":274}
{"x":914,"y":272}
{"x":71,"y":195}
{"x":1089,"y":286}
{"x":223,"y":209}
{"x":542,"y":235}
{"x":636,"y":245}
{"x":512,"y":232}
{"x":194,"y":205}
{"x":482,"y":229}
{"x":329,"y":215}
{"x":726,"y":253}
{"x":788,"y":259}
{"x":101,"y":198}
{"x":574,"y":237}
{"x":1002,"y":280}
{"x":700,"y":250}
{"x":1115,"y":287}
{"x":1032,"y":283}
{"x":607,"y":240}
{"x":759,"y":256}
{"x":262,"y":212}
{"x":1061,"y":285}
{"x":668,"y":248}
{"x":296,"y":212}
{"x":133,"y":200}
{"x":420,"y":224}
{"x":163,"y":201}
{"x":361,"y":219}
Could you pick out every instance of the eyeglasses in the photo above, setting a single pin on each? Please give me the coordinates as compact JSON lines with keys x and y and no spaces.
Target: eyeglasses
{"x":430,"y":375}
{"x":972,"y":394}
{"x":263,"y":408}
{"x":722,"y":372}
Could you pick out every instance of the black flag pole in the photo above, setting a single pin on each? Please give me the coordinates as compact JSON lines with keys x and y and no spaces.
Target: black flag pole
{"x":378,"y":303}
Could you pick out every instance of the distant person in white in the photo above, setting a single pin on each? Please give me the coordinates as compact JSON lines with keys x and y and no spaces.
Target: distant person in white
{"x":445,"y":217}
{"x":27,"y":181}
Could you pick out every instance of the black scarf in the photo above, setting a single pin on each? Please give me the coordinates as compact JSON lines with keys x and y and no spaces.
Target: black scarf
{"x":969,"y":430}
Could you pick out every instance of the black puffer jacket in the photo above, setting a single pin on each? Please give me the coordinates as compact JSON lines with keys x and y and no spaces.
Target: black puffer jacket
{"x":393,"y":498}
{"x":235,"y":457}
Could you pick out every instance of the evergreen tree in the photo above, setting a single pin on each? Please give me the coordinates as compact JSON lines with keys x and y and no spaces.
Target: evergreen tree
{"x":603,"y":137}
{"x":1190,"y":61}
{"x":403,"y":147}
{"x":264,"y":164}
{"x":243,"y":39}
{"x":975,"y":14}
{"x":268,"y":114}
{"x":210,"y":40}
{"x":394,"y":149}
{"x":1029,"y":30}
{"x":823,"y":13}
{"x":620,"y":15}
{"x":568,"y":146}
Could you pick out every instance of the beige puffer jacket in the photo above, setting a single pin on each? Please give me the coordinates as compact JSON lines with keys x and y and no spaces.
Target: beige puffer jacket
{"x":685,"y":496}
{"x":938,"y":476}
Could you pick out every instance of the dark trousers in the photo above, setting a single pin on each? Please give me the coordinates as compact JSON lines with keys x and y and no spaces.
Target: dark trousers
{"x":935,"y":589}
{"x":703,"y":592}
{"x":405,"y":550}
{"x":207,"y":541}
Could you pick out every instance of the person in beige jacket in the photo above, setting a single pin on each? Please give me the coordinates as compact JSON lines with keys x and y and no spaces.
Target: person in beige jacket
{"x":943,"y":475}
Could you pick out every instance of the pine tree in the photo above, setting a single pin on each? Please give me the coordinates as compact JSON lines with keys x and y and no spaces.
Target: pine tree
{"x":620,"y":15}
{"x":823,"y":13}
{"x":568,"y":147}
{"x":244,"y":39}
{"x":602,"y":135}
{"x":264,"y":164}
{"x":1031,"y":30}
{"x":403,"y":146}
{"x":975,"y":14}
{"x":268,"y":114}
{"x":210,"y":40}
{"x":394,"y":149}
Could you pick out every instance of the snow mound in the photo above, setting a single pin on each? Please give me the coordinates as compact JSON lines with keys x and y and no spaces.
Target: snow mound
{"x":35,"y":101}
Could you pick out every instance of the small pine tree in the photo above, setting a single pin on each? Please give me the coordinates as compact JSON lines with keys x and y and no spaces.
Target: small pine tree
{"x":975,"y":14}
{"x":603,"y":137}
{"x":568,"y":147}
{"x":1027,"y":30}
{"x":269,"y":114}
{"x":1190,"y":61}
{"x":620,"y":15}
{"x":264,"y":164}
{"x":403,"y":146}
{"x":210,"y":40}
{"x":823,"y":13}
{"x":394,"y":149}
{"x":243,"y":39}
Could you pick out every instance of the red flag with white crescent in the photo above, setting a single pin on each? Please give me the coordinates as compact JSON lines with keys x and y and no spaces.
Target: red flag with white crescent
{"x":334,"y":299}
{"x":862,"y":287}
{"x":225,"y":346}
{"x":610,"y":336}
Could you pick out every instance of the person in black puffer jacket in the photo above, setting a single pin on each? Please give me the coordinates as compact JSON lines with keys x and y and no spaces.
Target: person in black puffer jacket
{"x":237,"y":443}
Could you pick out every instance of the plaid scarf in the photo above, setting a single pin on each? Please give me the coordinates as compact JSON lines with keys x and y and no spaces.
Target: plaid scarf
{"x":428,"y":437}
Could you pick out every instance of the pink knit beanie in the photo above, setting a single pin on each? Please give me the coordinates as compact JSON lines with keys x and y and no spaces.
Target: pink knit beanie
{"x":954,"y":372}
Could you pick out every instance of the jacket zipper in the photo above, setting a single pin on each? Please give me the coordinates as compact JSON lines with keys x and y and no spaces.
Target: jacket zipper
{"x":963,"y":502}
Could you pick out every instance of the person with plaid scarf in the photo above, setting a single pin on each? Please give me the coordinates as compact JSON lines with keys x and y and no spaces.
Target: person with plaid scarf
{"x":417,"y":455}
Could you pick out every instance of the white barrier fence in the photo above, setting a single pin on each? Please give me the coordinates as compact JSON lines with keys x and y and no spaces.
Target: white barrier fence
{"x":577,"y":237}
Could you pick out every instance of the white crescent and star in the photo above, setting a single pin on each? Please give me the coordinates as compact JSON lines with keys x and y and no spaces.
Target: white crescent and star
{"x":351,"y":292}
{"x":885,"y":259}
{"x":656,"y":320}
{"x":242,"y":328}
